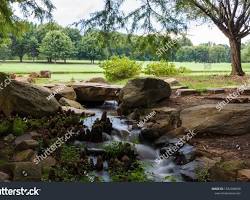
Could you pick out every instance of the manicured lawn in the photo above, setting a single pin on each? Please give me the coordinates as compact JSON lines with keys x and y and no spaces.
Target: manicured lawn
{"x":202,"y":75}
{"x":85,"y":67}
{"x":76,"y":67}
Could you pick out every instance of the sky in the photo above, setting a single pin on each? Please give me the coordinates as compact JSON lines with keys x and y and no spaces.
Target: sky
{"x":69,"y":11}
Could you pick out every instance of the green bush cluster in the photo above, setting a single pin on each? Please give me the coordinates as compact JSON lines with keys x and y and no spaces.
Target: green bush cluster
{"x":19,"y":127}
{"x":122,"y":68}
{"x":70,"y":154}
{"x":16,"y":127}
{"x":163,"y":68}
{"x":119,"y":149}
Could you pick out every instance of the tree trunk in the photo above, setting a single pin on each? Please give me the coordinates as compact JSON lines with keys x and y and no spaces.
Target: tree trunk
{"x":21,"y":58}
{"x":236,"y":57}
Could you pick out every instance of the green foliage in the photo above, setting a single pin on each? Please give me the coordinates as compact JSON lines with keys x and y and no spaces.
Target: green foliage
{"x":19,"y":127}
{"x":170,"y":179}
{"x":202,"y":174}
{"x":5,"y":51}
{"x":5,"y":127}
{"x":120,"y":68}
{"x":70,"y":154}
{"x":91,"y":46}
{"x":10,"y":22}
{"x":118,"y":149}
{"x":16,"y":126}
{"x":135,"y":174}
{"x":161,"y":68}
{"x":56,"y":45}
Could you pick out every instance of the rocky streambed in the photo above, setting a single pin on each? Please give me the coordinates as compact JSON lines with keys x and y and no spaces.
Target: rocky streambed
{"x":95,"y":132}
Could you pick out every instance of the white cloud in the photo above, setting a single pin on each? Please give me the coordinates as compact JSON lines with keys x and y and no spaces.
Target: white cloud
{"x":70,"y":11}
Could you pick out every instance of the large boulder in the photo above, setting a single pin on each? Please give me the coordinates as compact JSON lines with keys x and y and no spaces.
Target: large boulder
{"x":233,"y":119}
{"x":26,"y":99}
{"x":95,"y":92}
{"x":165,"y":119}
{"x":143,"y":92}
{"x":67,"y":102}
{"x":63,"y":91}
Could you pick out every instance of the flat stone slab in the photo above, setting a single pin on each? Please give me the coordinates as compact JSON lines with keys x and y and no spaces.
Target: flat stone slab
{"x":184,"y":92}
{"x":179,"y":87}
{"x":96,"y":92}
{"x":216,"y":90}
{"x":172,"y":81}
{"x":49,"y":85}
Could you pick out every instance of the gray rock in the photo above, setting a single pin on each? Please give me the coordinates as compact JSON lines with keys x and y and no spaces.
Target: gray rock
{"x":166,"y":119}
{"x":64,"y":91}
{"x":27,"y":144}
{"x":143,"y":92}
{"x":95,"y":92}
{"x":233,"y":119}
{"x":184,"y":92}
{"x":67,"y":102}
{"x":26,"y":99}
{"x":27,"y":171}
{"x":4,"y":177}
{"x":23,"y":156}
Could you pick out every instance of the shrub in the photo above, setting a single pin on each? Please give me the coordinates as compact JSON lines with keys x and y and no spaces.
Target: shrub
{"x":19,"y":127}
{"x":5,"y":127}
{"x":119,"y":149}
{"x":70,"y":154}
{"x":117,"y":68}
{"x":161,"y":68}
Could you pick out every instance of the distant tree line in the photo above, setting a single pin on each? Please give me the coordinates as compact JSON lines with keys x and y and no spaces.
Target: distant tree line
{"x":53,"y":42}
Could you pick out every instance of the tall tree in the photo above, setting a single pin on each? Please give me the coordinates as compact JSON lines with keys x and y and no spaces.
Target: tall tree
{"x":232,"y":17}
{"x":10,"y":22}
{"x":56,"y":45}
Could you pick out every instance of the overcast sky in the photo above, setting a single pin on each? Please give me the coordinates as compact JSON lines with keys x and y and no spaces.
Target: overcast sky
{"x":69,"y":11}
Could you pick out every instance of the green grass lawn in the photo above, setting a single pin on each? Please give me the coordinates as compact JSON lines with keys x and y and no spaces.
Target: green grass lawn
{"x":23,"y":68}
{"x":202,"y":75}
{"x":85,"y":67}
